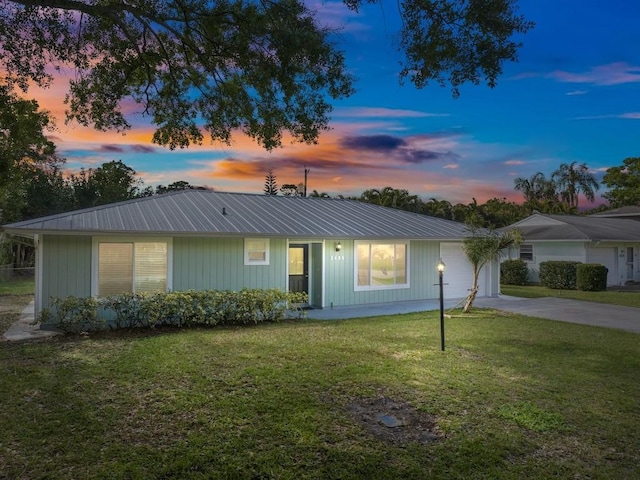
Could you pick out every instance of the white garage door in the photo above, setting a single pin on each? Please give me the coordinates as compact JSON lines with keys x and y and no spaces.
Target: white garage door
{"x":607,"y":257}
{"x":458,"y":275}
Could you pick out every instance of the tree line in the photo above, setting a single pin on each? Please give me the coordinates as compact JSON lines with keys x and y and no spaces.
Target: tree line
{"x":557,"y":193}
{"x":33,"y":183}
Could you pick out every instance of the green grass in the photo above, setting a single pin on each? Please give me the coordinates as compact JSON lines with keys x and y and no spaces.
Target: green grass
{"x":512,"y":397}
{"x":628,"y":299}
{"x":17,"y":287}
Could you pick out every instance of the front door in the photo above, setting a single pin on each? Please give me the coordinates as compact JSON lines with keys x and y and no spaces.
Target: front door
{"x":299,"y":268}
{"x":630,"y":263}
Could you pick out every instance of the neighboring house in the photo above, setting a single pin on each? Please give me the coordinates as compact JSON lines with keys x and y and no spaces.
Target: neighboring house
{"x":610,"y":241}
{"x":341,"y":252}
{"x":632,"y":212}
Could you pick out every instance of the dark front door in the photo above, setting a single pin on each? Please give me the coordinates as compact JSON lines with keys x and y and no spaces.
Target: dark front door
{"x":299,"y":268}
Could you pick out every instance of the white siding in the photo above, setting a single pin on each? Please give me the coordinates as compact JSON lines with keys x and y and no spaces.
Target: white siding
{"x":607,"y":256}
{"x":554,"y":251}
{"x":458,"y":276}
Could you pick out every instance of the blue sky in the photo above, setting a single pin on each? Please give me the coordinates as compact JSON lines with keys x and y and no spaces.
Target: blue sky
{"x":573,"y":96}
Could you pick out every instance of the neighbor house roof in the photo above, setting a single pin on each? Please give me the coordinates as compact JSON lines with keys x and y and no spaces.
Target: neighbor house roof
{"x":631,"y":211}
{"x":572,"y":227}
{"x":196,"y":212}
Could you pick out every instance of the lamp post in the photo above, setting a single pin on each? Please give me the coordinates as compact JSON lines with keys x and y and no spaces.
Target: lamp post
{"x":440,"y":267}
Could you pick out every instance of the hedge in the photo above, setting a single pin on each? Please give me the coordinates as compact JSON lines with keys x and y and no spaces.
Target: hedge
{"x":558,"y":274}
{"x":591,"y":277}
{"x":513,"y":272}
{"x":182,"y":309}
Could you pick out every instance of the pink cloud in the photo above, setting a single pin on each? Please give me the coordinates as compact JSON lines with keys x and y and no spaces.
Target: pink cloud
{"x":610,"y":74}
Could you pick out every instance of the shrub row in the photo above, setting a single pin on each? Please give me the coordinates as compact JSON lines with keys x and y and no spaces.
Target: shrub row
{"x":513,"y":272}
{"x":558,"y":274}
{"x":188,"y":308}
{"x":590,"y":277}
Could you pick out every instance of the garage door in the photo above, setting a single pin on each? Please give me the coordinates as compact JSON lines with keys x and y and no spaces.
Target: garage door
{"x":608,"y":258}
{"x":458,"y":274}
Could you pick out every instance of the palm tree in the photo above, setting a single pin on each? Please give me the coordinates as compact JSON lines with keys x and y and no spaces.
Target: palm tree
{"x":438,"y":208}
{"x":318,"y":194}
{"x":391,"y":197}
{"x":540,"y":193}
{"x":572,"y":181}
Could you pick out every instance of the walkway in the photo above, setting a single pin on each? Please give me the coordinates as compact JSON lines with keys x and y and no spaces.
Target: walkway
{"x":24,"y":328}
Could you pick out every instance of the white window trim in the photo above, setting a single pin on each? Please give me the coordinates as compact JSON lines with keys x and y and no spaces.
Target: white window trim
{"x":364,"y":288}
{"x":532,"y":253}
{"x":247,"y":261}
{"x":95,"y":241}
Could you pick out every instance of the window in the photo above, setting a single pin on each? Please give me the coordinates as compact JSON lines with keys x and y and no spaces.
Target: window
{"x":256,"y":251}
{"x":526,"y":252}
{"x":131,"y":267}
{"x":381,"y":265}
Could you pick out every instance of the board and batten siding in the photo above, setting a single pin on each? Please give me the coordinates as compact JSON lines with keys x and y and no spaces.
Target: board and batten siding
{"x":218,"y":264}
{"x":340,"y":276}
{"x":66,"y":267}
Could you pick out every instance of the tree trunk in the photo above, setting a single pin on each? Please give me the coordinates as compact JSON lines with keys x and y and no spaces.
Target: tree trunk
{"x":470,"y":299}
{"x":474,"y":291}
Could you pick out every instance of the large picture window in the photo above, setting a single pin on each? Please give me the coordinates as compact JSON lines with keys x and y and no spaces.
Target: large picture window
{"x":381,"y":265}
{"x":131,"y":267}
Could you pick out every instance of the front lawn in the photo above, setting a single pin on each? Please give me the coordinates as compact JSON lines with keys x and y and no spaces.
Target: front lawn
{"x":628,"y":299}
{"x":18,"y":287}
{"x":511,"y":397}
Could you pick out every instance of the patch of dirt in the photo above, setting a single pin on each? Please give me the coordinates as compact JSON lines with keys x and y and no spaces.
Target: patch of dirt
{"x":410,"y":424}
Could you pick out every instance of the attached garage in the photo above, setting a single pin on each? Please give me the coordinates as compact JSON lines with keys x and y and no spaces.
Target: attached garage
{"x":607,"y":256}
{"x":458,"y":276}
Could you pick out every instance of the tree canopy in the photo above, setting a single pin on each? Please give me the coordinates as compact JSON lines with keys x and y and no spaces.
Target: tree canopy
{"x":624,"y":183}
{"x":110,"y":182}
{"x":22,"y":134}
{"x":218,"y":66}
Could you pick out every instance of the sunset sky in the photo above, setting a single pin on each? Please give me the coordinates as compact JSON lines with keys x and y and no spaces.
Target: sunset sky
{"x":573,"y":96}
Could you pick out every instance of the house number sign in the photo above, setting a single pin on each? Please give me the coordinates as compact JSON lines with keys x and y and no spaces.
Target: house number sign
{"x":337,"y":257}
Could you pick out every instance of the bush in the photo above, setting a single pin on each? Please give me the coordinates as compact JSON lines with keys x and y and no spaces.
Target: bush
{"x":591,"y":277}
{"x":513,"y":272}
{"x":73,"y":314}
{"x":182,"y":309}
{"x":558,"y":274}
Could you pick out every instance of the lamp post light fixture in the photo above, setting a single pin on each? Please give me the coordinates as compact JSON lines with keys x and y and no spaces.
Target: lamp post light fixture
{"x":440,"y":267}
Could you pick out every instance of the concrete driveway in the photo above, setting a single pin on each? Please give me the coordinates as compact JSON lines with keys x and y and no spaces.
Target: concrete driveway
{"x":574,"y":311}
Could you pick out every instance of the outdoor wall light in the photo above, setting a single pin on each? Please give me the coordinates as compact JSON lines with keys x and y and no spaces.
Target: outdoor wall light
{"x":338,"y":247}
{"x":440,"y":267}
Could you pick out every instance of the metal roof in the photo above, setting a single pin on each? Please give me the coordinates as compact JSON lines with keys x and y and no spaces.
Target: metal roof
{"x":574,"y":227}
{"x":198,"y":212}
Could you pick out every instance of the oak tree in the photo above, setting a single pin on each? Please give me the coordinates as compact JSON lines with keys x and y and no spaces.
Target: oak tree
{"x":219,"y":66}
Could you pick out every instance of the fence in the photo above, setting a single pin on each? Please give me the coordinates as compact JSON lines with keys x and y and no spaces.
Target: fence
{"x":9,"y":272}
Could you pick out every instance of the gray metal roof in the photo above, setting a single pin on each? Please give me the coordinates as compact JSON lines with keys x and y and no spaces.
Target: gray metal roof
{"x":573,"y":227}
{"x":197,"y":212}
